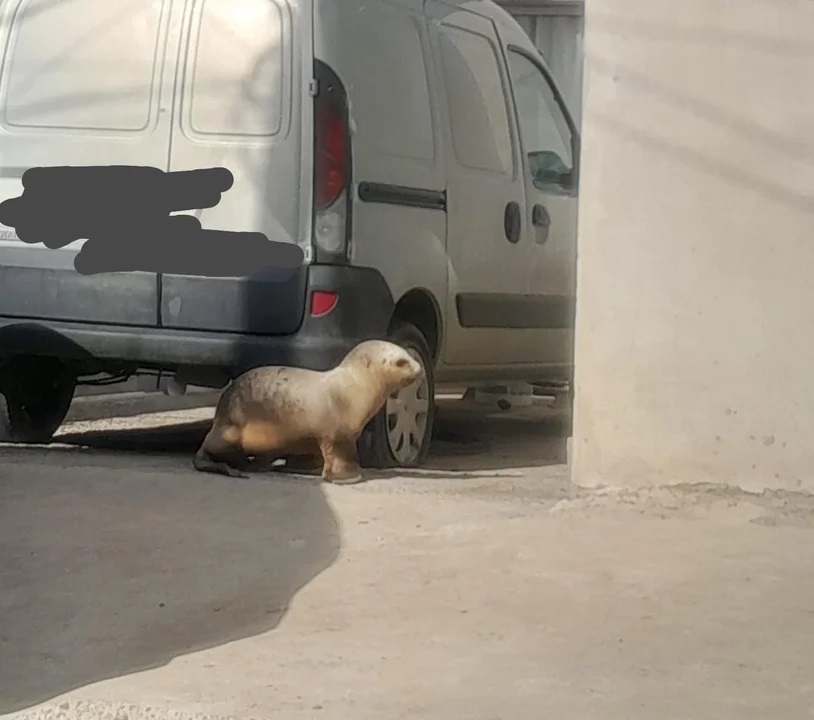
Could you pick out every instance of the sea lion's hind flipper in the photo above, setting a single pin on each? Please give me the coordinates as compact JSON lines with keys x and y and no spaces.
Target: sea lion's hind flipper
{"x":205,"y":462}
{"x":259,"y":463}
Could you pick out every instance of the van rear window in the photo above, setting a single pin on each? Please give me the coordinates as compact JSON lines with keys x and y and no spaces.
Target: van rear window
{"x":238,"y":71}
{"x":81,"y":64}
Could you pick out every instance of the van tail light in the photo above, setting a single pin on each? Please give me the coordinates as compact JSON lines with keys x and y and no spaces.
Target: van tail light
{"x":332,"y":168}
{"x":331,"y":164}
{"x":323,"y":302}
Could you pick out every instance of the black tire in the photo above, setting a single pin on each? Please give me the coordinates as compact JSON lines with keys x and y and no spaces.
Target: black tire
{"x":38,"y":392}
{"x":374,"y":444}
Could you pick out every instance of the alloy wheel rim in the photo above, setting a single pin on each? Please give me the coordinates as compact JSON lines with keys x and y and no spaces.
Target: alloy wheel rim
{"x":407,"y":413}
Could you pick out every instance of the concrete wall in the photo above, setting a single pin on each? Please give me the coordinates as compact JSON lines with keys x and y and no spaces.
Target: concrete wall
{"x":695,"y":317}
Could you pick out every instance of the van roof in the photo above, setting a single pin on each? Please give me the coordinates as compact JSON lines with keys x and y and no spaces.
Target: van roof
{"x":487,"y":8}
{"x":500,"y":16}
{"x":484,"y":8}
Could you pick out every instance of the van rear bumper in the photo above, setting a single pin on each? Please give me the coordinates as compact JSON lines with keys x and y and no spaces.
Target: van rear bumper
{"x":363,"y":311}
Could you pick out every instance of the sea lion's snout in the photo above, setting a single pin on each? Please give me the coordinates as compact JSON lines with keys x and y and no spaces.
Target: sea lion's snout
{"x":397,"y":364}
{"x":409,"y":368}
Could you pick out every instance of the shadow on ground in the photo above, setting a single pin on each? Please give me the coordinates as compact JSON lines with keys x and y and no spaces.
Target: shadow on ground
{"x":116,"y":557}
{"x":109,"y":567}
{"x":467,"y":438}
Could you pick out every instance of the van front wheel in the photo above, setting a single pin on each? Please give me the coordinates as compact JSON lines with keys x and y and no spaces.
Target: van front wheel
{"x":38,"y":392}
{"x":400,"y":434}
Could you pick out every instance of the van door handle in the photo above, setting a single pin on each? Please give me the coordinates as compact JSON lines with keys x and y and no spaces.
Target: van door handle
{"x":512,"y":222}
{"x":541,"y":220}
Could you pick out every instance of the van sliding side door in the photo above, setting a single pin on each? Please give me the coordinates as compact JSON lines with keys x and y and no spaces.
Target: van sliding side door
{"x":486,"y":200}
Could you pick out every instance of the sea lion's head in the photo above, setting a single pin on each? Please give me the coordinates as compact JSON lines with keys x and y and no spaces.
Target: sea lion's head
{"x":396,"y":366}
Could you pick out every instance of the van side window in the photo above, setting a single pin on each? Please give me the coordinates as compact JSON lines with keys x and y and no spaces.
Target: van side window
{"x":477,"y":101}
{"x":544,"y":132}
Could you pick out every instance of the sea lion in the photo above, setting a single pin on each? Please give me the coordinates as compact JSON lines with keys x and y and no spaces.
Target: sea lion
{"x":274,"y":412}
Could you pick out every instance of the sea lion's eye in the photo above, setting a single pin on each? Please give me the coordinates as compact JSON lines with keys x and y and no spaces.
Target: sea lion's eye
{"x":401,"y":363}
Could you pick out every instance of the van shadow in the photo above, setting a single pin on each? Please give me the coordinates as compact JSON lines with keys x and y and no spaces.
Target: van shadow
{"x":472,"y":438}
{"x":113,"y":565}
{"x":467,"y":438}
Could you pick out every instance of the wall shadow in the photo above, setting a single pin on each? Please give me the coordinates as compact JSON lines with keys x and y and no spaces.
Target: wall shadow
{"x":113,"y":564}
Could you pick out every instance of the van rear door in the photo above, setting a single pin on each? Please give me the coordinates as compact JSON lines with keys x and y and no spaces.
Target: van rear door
{"x":83,"y":82}
{"x":242,"y":102}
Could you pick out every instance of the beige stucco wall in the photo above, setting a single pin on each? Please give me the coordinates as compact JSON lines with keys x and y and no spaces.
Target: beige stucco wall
{"x":695,"y":311}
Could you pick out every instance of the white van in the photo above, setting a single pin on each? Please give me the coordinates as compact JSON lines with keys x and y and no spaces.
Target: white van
{"x":417,"y":150}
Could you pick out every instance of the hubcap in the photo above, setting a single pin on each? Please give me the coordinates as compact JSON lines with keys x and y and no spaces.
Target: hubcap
{"x":407,"y":410}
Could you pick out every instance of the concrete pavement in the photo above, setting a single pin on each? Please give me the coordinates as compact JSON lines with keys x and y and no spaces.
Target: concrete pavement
{"x":481,"y":588}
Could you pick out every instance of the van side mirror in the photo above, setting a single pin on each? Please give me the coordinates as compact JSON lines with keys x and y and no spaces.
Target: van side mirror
{"x":548,"y":168}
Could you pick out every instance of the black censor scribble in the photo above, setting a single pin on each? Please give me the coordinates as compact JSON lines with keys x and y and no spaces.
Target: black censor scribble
{"x":123,"y":214}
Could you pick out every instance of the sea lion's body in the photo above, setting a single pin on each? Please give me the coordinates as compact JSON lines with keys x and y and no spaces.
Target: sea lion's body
{"x":284,"y":411}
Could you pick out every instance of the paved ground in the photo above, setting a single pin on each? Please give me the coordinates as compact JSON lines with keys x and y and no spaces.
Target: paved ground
{"x":484,"y":588}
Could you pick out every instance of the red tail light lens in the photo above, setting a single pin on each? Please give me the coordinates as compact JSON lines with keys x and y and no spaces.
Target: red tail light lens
{"x":323,"y":302}
{"x":331,"y":155}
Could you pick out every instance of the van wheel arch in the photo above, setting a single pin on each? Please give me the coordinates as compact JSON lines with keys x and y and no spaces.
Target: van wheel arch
{"x":419,"y":308}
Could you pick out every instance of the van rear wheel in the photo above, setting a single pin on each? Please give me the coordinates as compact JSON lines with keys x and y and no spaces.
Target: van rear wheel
{"x":38,"y":392}
{"x":400,"y":434}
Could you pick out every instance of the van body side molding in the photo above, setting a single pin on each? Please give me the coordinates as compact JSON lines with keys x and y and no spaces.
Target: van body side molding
{"x":405,"y":196}
{"x":515,"y":311}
